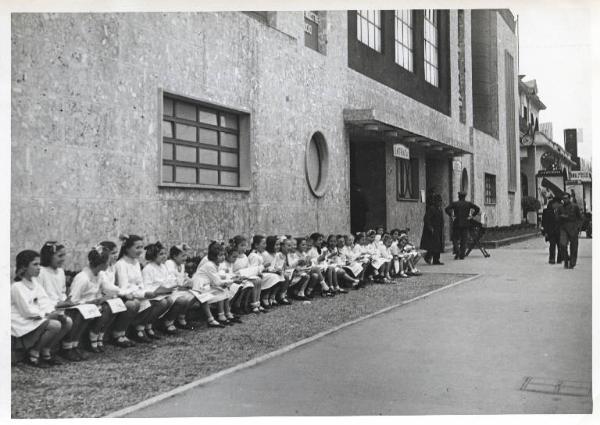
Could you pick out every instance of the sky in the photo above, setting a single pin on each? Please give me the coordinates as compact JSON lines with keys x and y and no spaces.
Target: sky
{"x":555,"y":50}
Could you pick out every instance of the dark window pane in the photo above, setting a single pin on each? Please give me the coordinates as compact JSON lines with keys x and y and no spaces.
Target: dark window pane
{"x":185,"y":132}
{"x":229,"y":179}
{"x":208,"y":117}
{"x":186,"y":175}
{"x":167,"y":151}
{"x":229,"y":159}
{"x":208,"y":156}
{"x":185,"y":153}
{"x":167,"y":171}
{"x":167,"y":129}
{"x":209,"y":177}
{"x":167,"y":107}
{"x":208,"y":136}
{"x":185,"y":110}
{"x":229,"y":140}
{"x":229,"y":121}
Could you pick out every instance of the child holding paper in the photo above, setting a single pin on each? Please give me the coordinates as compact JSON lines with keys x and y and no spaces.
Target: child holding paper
{"x":32,"y":313}
{"x":122,"y":318}
{"x":176,"y":269}
{"x":243,"y":268}
{"x":52,"y":279}
{"x":297,"y":266}
{"x":86,"y":289}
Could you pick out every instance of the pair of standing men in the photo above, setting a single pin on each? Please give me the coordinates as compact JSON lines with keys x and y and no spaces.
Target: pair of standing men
{"x":561,"y":223}
{"x":461,"y":212}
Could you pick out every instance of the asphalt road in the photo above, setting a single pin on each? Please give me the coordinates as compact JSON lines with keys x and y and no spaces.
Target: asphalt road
{"x":466,"y":350}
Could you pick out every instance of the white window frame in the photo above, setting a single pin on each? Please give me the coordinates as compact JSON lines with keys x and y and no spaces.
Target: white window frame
{"x":368,"y":28}
{"x":430,"y":46}
{"x":403,"y":34}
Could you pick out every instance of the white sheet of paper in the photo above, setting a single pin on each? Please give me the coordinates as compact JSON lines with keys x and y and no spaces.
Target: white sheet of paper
{"x":116,"y":305}
{"x":144,"y":304}
{"x":88,"y":311}
{"x":202,"y":297}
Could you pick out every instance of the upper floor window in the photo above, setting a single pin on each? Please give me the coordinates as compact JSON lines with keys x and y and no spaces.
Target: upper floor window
{"x":368,"y":28}
{"x":404,"y":39}
{"x":430,"y":35}
{"x":201,"y":144}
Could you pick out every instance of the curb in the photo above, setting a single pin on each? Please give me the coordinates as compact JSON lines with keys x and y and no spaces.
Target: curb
{"x":508,"y":241}
{"x":272,"y":354}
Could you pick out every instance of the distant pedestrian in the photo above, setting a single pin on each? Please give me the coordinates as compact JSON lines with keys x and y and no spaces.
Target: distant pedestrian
{"x":460,"y":212}
{"x":432,"y":239}
{"x":570,"y":219}
{"x":551,"y":230}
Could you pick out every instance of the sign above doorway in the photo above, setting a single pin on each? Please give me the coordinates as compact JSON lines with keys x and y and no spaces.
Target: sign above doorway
{"x":401,"y":151}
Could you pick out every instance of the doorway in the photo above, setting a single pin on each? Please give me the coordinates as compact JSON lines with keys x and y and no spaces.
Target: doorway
{"x":367,"y":186}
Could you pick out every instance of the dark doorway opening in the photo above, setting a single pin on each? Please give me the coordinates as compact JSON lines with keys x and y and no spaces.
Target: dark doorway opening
{"x":367,"y":181}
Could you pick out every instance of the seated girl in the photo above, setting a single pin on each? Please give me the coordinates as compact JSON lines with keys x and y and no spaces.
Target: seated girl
{"x":177,"y":275}
{"x":334,"y":260}
{"x":386,"y":255}
{"x":378,"y":263}
{"x":86,"y":289}
{"x":351,"y":269}
{"x":129,"y":279}
{"x":317,"y":255}
{"x":108,"y":287}
{"x":279,"y":295}
{"x":52,"y":279}
{"x":269,"y":276}
{"x":33,"y":316}
{"x":272,"y":261}
{"x":243,"y":268}
{"x":398,"y":263}
{"x":212,"y":288}
{"x":238,"y":283}
{"x":411,"y":255}
{"x":158,"y":280}
{"x":299,"y":269}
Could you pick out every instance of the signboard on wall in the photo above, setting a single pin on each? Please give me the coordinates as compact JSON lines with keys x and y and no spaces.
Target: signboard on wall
{"x":582,"y":176}
{"x":575,"y":189}
{"x":549,"y":183}
{"x":401,"y":151}
{"x":311,"y":30}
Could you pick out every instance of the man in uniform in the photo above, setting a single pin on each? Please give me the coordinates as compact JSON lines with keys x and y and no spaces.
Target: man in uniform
{"x":570,"y":218}
{"x":551,"y":229}
{"x":460,"y":212}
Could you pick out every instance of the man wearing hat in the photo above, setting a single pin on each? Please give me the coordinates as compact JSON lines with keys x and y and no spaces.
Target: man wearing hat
{"x":570,"y":219}
{"x":460,"y":212}
{"x":551,"y":228}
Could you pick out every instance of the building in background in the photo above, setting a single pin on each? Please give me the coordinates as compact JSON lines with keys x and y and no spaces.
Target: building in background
{"x":199,"y":126}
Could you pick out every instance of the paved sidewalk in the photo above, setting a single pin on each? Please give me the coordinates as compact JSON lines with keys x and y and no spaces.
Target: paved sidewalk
{"x":466,"y":350}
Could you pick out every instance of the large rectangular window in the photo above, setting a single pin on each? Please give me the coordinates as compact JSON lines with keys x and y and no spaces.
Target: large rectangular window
{"x":200,"y":144}
{"x":368,"y":28}
{"x":490,"y":188}
{"x":404,"y":39}
{"x":407,"y":179}
{"x":430,"y":36}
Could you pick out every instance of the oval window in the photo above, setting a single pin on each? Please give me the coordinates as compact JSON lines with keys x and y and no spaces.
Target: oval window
{"x":317,"y":164}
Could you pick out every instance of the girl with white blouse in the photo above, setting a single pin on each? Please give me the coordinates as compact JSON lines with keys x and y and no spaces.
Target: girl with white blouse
{"x":301,"y":270}
{"x":238,"y":285}
{"x":355,"y":262}
{"x":32,"y":313}
{"x":129,"y":278}
{"x":243,"y":267}
{"x":272,"y":261}
{"x":109,"y":288}
{"x":52,"y":279}
{"x":86,"y":289}
{"x":318,"y":258}
{"x":176,"y":269}
{"x":209,"y":283}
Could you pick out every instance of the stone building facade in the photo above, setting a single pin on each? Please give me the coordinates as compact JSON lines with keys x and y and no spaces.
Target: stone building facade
{"x":199,"y":126}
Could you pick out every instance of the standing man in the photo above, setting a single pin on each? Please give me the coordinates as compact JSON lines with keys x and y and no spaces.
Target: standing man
{"x":460,"y":213}
{"x":432,"y":239}
{"x":569,"y":216}
{"x":551,"y":229}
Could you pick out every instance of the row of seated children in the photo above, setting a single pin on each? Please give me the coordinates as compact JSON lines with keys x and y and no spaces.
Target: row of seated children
{"x":115,"y":294}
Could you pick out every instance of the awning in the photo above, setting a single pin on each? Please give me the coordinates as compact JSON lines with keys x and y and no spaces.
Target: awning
{"x":381,"y":125}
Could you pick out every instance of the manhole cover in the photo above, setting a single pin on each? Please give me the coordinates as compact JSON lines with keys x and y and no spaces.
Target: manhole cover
{"x":556,"y":386}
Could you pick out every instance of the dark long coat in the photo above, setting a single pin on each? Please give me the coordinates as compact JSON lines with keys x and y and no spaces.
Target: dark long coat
{"x":432,"y":238}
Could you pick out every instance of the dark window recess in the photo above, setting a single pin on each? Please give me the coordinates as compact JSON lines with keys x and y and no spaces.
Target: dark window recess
{"x":382,"y":66}
{"x":462,"y":99}
{"x":490,"y":189}
{"x":407,"y":179}
{"x":511,"y":124}
{"x":259,"y":16}
{"x":200,"y":144}
{"x":311,"y":30}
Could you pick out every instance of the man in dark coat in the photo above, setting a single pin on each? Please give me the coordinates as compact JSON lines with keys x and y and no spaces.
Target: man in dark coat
{"x":432,"y":239}
{"x":460,"y":212}
{"x":551,"y":229}
{"x":570,"y":218}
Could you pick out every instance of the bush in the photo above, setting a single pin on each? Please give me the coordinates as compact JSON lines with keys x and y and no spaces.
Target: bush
{"x":529,"y":203}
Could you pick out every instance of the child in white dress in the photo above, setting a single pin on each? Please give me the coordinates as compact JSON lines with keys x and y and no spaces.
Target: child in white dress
{"x":356,"y":263}
{"x":274,"y":263}
{"x":238,"y":285}
{"x":86,"y":289}
{"x":122,"y":320}
{"x":269,"y":275}
{"x":317,"y":255}
{"x":52,"y":279}
{"x":250,"y":302}
{"x":32,"y":313}
{"x":299,"y":268}
{"x":349,"y":267}
{"x":129,"y":278}
{"x":176,"y":269}
{"x":334,"y":260}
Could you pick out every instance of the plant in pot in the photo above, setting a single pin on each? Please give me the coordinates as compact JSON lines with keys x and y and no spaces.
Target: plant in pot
{"x":530,"y":207}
